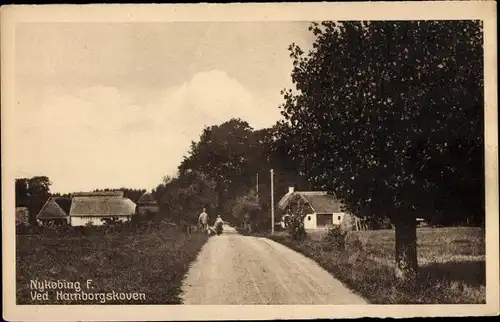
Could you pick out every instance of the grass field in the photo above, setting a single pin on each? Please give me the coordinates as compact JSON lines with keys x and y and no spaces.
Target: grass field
{"x":451,"y":264}
{"x":152,"y":262}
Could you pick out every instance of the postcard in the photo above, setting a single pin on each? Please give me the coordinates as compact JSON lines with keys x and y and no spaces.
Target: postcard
{"x":249,"y":161}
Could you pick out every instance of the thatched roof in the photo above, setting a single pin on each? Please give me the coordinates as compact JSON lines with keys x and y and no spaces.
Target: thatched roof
{"x":51,"y":210}
{"x":99,"y":193}
{"x":320,"y":201}
{"x":64,"y":203}
{"x":147,"y":198}
{"x":99,"y":204}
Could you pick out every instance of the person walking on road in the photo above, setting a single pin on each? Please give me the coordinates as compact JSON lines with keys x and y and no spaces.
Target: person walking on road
{"x":203,"y":221}
{"x":218,"y":225}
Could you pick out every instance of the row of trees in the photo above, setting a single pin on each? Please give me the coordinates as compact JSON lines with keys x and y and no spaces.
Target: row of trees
{"x":130,"y":193}
{"x":227,"y":172}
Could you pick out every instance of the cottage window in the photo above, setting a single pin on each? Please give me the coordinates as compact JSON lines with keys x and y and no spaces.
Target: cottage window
{"x":339,"y":217}
{"x":308,"y":217}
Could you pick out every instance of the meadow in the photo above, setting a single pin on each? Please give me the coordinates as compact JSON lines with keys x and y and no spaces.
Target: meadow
{"x":451,"y":264}
{"x":150,"y":261}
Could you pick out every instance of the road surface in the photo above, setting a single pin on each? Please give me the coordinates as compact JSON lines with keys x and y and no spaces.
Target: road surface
{"x":236,"y":269}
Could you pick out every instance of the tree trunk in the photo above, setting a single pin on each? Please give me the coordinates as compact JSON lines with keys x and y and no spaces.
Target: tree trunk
{"x":406,"y":249}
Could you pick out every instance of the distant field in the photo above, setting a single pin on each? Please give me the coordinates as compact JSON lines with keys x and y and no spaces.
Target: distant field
{"x":451,"y":264}
{"x":152,"y":262}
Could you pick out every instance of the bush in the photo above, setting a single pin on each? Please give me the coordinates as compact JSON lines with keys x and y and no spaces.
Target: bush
{"x":336,"y":237}
{"x":296,"y":229}
{"x":27,"y":229}
{"x":248,"y":210}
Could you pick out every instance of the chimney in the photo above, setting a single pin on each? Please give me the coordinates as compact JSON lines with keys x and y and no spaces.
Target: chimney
{"x":291,"y":190}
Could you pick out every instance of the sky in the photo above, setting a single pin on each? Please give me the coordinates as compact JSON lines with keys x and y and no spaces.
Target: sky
{"x":112,"y":105}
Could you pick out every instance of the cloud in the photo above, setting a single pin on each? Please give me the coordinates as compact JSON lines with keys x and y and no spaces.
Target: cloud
{"x":213,"y":97}
{"x":102,"y":136}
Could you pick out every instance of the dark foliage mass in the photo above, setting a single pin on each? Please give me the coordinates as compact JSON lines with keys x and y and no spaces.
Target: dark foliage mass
{"x":227,"y":172}
{"x":389,"y":116}
{"x":132,"y":194}
{"x":32,"y":193}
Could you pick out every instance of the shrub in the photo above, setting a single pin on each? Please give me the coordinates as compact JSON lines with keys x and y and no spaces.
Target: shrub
{"x":336,"y":237}
{"x":248,"y":210}
{"x":296,"y":229}
{"x":297,"y":214}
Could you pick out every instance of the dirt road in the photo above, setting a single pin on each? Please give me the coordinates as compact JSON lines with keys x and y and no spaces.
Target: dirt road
{"x":236,"y":269}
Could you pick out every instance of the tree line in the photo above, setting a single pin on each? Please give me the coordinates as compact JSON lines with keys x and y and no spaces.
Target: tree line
{"x":228,"y":172}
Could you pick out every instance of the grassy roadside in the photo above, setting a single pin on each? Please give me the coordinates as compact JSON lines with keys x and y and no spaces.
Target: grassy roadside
{"x":152,"y":261}
{"x":452,"y":266}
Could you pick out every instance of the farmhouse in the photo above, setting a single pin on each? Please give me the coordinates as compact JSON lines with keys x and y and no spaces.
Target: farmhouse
{"x":22,"y":215}
{"x":52,"y":212}
{"x":93,"y":207}
{"x":322,"y":210}
{"x":146,"y":203}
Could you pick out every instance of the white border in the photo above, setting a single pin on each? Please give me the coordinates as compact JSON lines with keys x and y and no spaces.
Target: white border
{"x":427,"y":10}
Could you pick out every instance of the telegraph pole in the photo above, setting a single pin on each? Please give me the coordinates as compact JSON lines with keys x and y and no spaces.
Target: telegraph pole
{"x":257,"y":185}
{"x":272,"y":202}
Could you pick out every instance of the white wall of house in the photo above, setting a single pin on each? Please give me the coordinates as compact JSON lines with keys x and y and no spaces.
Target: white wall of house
{"x":95,"y":220}
{"x":311,"y":221}
{"x":338,"y":218}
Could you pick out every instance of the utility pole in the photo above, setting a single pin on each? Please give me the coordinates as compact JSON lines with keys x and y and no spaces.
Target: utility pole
{"x":272,"y":202}
{"x":257,"y":185}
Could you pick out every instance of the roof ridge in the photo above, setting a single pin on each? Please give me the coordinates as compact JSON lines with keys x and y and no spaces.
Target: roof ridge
{"x":116,"y":193}
{"x":313,"y":192}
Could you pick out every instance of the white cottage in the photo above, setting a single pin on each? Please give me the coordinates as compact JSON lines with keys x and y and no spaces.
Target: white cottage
{"x":92,"y":207}
{"x":323,"y":210}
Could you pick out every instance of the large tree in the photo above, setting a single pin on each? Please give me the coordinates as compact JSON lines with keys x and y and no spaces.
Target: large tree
{"x":233,"y":155}
{"x":182,"y":199}
{"x":222,"y":154}
{"x":388,"y":116}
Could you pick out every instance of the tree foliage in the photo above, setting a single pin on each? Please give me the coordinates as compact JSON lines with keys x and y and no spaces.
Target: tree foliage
{"x":390,"y":113}
{"x":248,"y":210}
{"x":230,"y":156}
{"x":297,"y":213}
{"x":130,"y":193}
{"x":221,"y":155}
{"x":183,"y":198}
{"x":32,"y":193}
